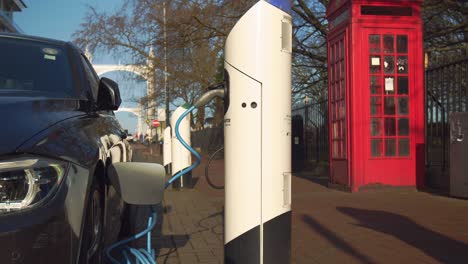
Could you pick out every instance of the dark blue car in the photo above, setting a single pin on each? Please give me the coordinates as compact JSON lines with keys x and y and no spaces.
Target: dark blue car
{"x":58,"y":135}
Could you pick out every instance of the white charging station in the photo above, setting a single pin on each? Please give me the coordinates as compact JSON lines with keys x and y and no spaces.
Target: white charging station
{"x":181,"y":157}
{"x":167,"y":148}
{"x":258,"y":136}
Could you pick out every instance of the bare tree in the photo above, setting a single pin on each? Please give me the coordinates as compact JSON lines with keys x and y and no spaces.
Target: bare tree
{"x":445,"y":24}
{"x":196,"y":31}
{"x":309,"y":50}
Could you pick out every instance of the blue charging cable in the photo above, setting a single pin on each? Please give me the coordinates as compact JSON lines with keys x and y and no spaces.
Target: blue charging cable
{"x":147,"y":256}
{"x":187,"y":146}
{"x":144,"y":256}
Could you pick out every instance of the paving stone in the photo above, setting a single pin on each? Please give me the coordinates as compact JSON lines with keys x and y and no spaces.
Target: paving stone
{"x":188,"y":258}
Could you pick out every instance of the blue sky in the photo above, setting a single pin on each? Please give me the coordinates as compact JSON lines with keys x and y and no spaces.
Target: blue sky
{"x":59,"y":19}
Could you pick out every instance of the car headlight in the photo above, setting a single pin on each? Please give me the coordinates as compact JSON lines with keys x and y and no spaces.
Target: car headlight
{"x":28,"y":180}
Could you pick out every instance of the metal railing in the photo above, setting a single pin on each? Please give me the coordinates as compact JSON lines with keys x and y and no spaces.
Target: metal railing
{"x":446,"y":91}
{"x":315,"y":130}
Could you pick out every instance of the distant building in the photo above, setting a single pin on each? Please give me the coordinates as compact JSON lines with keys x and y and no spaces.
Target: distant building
{"x":7,"y":8}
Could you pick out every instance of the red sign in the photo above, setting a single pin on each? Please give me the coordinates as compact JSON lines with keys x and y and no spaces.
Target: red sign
{"x":155,"y":123}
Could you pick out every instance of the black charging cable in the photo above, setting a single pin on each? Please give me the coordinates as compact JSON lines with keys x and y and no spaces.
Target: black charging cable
{"x":207,"y":166}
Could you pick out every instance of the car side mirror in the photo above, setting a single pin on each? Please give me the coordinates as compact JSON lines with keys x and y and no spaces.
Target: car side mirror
{"x":108,"y":95}
{"x":138,"y":183}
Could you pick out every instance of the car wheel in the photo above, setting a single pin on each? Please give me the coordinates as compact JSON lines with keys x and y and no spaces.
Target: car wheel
{"x":91,"y":245}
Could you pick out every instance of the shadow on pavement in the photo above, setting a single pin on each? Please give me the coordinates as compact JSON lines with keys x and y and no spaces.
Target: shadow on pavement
{"x":335,"y":239}
{"x":317,"y":172}
{"x":167,"y":246}
{"x":194,"y":182}
{"x":441,"y":193}
{"x":210,"y":224}
{"x":438,"y":246}
{"x":320,"y":180}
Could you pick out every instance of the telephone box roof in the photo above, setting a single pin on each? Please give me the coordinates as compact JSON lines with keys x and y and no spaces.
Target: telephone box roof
{"x":335,"y":5}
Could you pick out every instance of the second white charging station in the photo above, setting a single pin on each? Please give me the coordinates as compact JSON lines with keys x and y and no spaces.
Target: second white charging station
{"x":181,"y":157}
{"x":167,"y":148}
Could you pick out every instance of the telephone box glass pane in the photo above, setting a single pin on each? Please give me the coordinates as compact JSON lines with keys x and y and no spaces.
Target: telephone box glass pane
{"x":403,"y":127}
{"x":390,"y":128}
{"x":343,"y":126}
{"x":339,"y":130}
{"x":342,"y":69}
{"x":375,"y":85}
{"x":332,"y":75}
{"x":344,"y":148}
{"x":340,"y":149}
{"x":342,"y":48}
{"x":333,"y":54}
{"x":402,"y":44}
{"x":343,"y":89}
{"x":337,"y":53}
{"x":376,"y":106}
{"x":343,"y":110}
{"x":337,"y":89}
{"x":333,"y":111}
{"x":403,"y":106}
{"x":389,"y":64}
{"x":335,"y":130}
{"x":335,"y":149}
{"x":390,"y":147}
{"x":389,"y":85}
{"x":388,"y":44}
{"x":402,"y":84}
{"x":376,"y":147}
{"x":374,"y":43}
{"x":402,"y":64}
{"x":389,"y":107}
{"x":376,"y":127}
{"x":338,"y":110}
{"x":339,"y":74}
{"x":374,"y":64}
{"x":403,"y":147}
{"x":336,"y":72}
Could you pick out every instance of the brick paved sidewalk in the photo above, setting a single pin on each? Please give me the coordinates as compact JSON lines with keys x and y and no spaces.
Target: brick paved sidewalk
{"x":328,"y":226}
{"x":190,"y":222}
{"x":194,"y":225}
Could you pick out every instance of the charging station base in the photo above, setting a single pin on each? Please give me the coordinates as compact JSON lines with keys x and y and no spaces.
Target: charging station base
{"x":184,"y":182}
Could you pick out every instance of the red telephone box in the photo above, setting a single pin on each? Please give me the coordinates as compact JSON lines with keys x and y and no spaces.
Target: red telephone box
{"x":376,"y":93}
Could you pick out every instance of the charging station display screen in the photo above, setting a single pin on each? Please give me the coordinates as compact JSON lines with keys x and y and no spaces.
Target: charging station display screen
{"x":284,"y":5}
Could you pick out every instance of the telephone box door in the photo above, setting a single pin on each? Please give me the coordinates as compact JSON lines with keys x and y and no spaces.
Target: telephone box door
{"x":390,"y":87}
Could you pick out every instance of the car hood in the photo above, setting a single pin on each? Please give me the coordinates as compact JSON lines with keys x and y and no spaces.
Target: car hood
{"x":24,"y":117}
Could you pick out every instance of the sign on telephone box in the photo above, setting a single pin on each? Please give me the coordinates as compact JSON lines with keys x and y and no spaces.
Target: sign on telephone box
{"x":376,"y":93}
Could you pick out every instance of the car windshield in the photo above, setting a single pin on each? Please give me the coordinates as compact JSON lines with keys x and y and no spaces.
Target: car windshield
{"x":31,"y":66}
